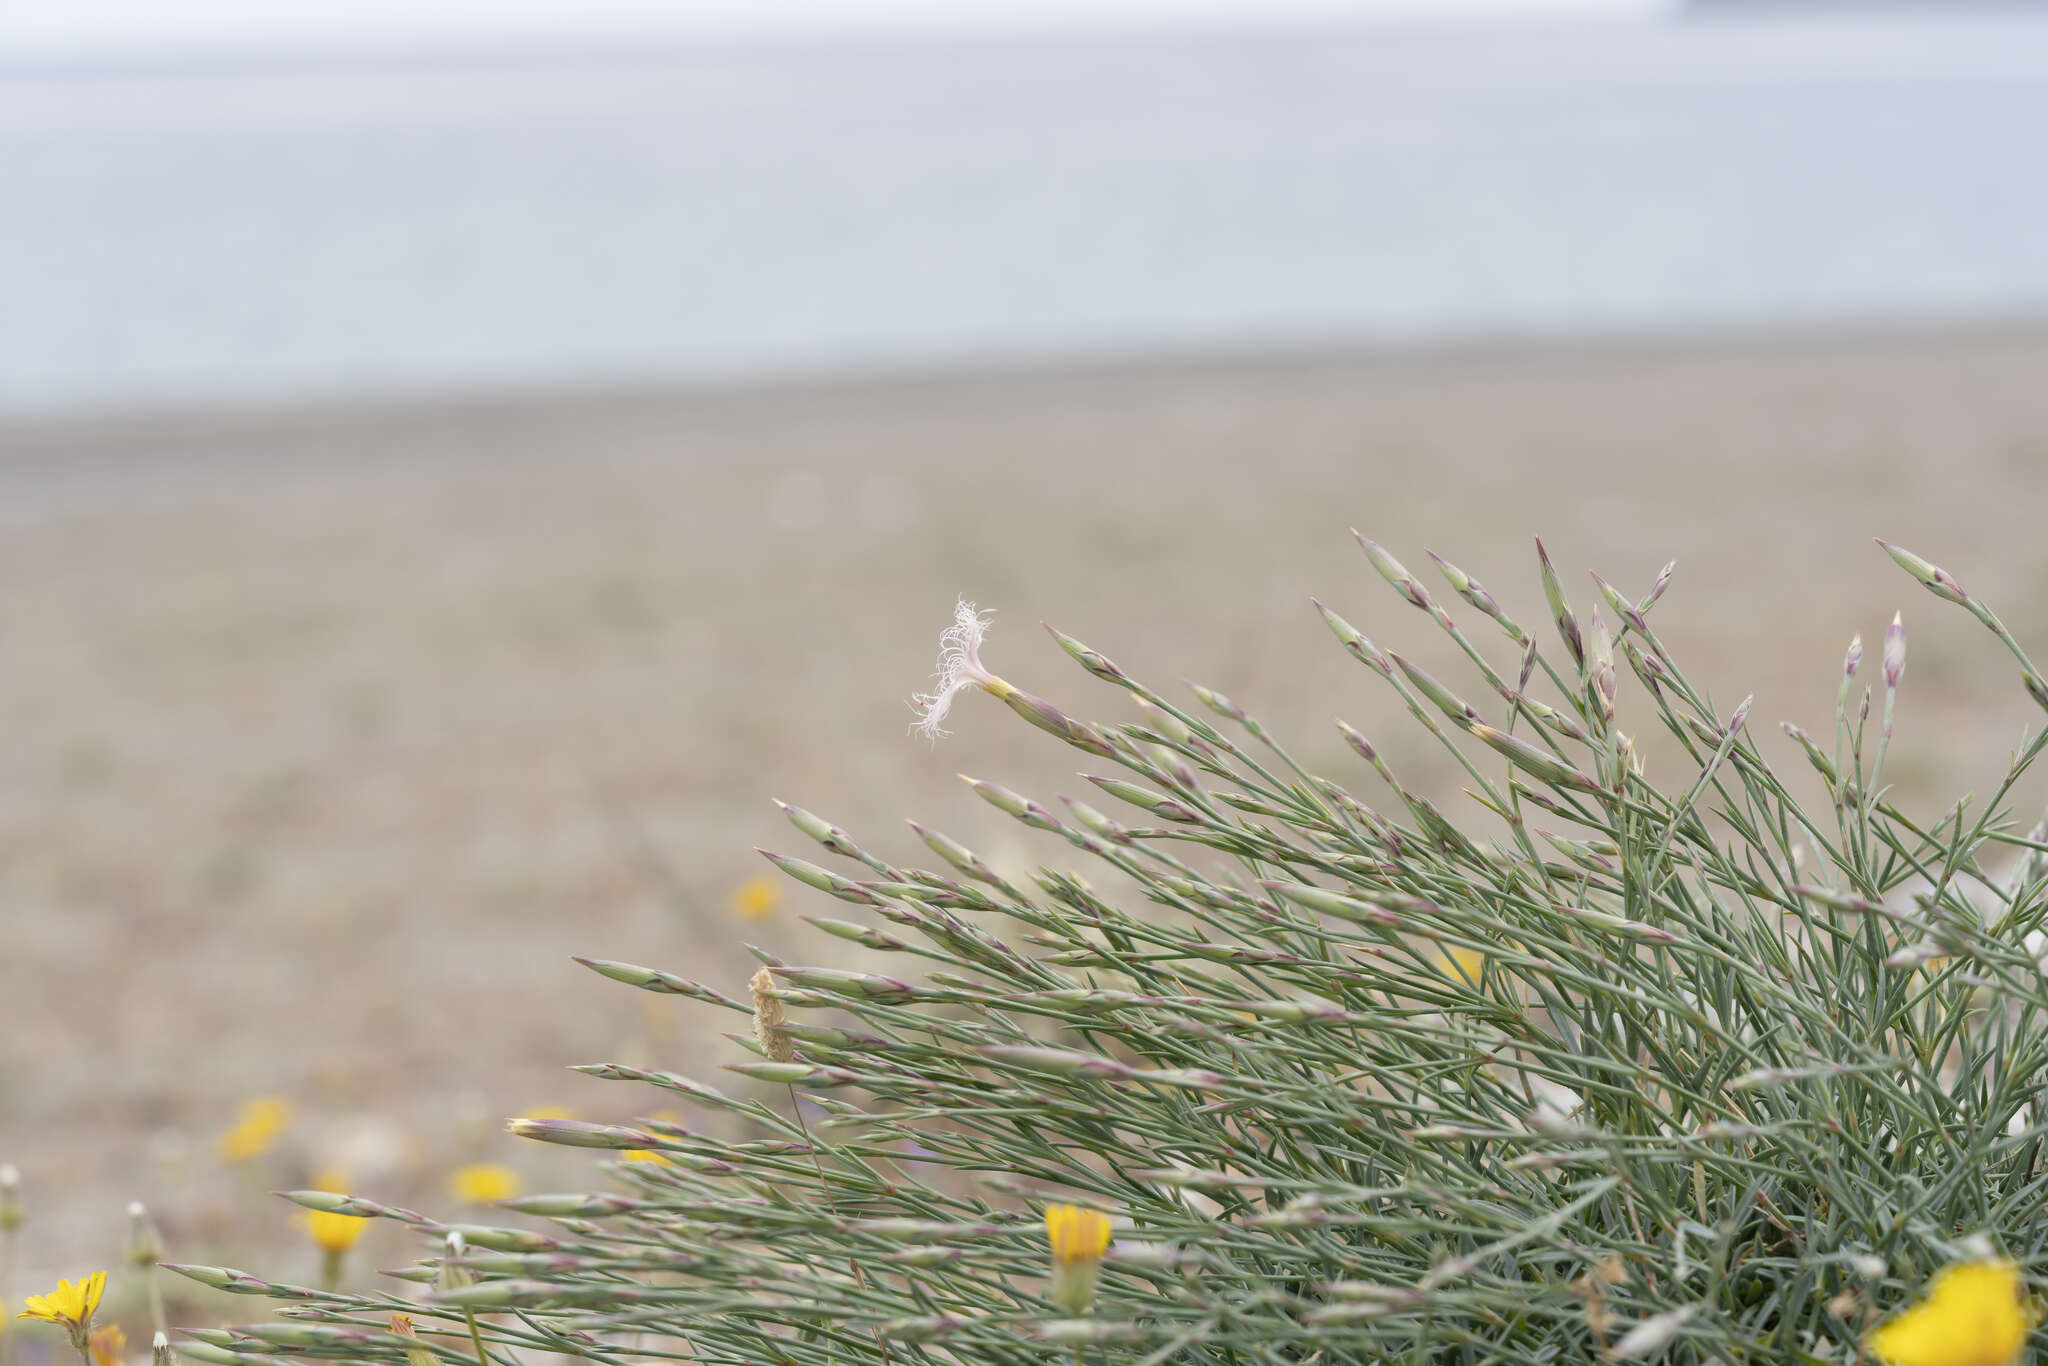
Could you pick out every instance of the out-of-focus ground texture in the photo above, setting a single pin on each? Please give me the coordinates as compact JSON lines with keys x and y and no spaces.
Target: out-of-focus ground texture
{"x":331,"y":734}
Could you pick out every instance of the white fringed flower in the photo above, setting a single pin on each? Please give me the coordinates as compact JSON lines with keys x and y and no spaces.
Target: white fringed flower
{"x":959,"y":669}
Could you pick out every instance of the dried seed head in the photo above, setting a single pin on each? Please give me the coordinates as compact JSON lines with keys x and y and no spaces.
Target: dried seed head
{"x":769,"y":1018}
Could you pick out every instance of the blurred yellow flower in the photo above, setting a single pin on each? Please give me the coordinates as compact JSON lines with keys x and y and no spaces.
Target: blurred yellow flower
{"x":757,"y":897}
{"x":480,"y":1183}
{"x":1975,"y":1314}
{"x":551,"y":1112}
{"x":70,"y":1306}
{"x":1462,"y":964}
{"x":1079,"y":1237}
{"x":109,"y":1346}
{"x":335,"y":1234}
{"x":257,"y":1127}
{"x":646,"y":1155}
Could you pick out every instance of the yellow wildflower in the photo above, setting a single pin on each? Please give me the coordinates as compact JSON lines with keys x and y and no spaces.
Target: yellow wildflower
{"x":257,"y":1127}
{"x":334,"y":1233}
{"x":1975,"y":1314}
{"x":69,"y":1306}
{"x":416,"y":1352}
{"x":646,"y":1155}
{"x":480,"y":1183}
{"x":1079,"y":1237}
{"x":109,"y":1345}
{"x":757,"y":897}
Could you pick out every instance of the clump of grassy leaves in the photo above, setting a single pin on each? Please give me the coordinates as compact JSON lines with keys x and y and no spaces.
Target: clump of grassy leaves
{"x":1598,"y":1069}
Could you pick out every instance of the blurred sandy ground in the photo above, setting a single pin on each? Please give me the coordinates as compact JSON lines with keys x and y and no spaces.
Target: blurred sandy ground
{"x":331,"y":735}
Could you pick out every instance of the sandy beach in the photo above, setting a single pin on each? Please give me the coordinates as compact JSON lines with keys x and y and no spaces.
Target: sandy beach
{"x":333,"y":733}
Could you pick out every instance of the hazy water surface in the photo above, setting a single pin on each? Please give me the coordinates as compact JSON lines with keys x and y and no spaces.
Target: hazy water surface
{"x":246,"y":232}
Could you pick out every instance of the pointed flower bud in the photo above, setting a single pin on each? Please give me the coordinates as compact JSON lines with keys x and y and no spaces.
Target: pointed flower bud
{"x":1560,"y":608}
{"x":1895,"y":651}
{"x":1932,"y":577}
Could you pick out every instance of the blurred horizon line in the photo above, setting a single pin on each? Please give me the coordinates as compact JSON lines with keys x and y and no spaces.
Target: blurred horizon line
{"x":1054,"y":366}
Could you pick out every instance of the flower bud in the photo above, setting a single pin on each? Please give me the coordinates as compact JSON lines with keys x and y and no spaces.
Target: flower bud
{"x":145,"y":1244}
{"x":453,"y":1275}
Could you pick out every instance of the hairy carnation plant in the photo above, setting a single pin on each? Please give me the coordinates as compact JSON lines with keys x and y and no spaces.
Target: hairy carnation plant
{"x":1267,"y":1065}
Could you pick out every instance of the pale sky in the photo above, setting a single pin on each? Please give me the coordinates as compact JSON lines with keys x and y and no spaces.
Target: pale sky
{"x":98,"y":25}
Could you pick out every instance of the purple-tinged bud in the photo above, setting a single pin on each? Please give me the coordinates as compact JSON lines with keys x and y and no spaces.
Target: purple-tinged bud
{"x":1164,"y":808}
{"x":1360,"y":743}
{"x":1932,"y":577}
{"x":1099,"y":665}
{"x":1354,"y":642}
{"x":1741,"y":714}
{"x":1452,"y":705}
{"x":1560,"y":609}
{"x":1663,"y":582}
{"x":1894,"y":651}
{"x":1012,"y":803}
{"x":1854,"y":659}
{"x":1394,"y":572}
{"x":812,"y":875}
{"x":823,"y":831}
{"x":1218,"y":703}
{"x":1467,"y":587}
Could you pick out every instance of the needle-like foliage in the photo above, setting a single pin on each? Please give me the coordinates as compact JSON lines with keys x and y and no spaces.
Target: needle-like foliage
{"x":1699,"y":1072}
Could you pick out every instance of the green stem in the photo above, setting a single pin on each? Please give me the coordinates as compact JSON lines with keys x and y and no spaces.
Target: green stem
{"x":156,"y":1301}
{"x":476,"y":1336}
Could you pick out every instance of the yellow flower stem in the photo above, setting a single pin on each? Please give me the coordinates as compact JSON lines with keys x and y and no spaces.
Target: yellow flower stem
{"x":7,"y":1329}
{"x":156,"y":1302}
